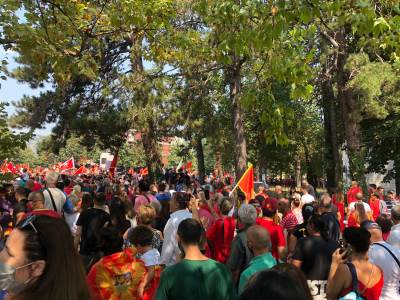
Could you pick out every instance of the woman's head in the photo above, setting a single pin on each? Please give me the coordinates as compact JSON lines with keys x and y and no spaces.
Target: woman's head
{"x":296,"y":274}
{"x":359,"y":239}
{"x":385,"y":222}
{"x":46,"y":265}
{"x":146,"y":214}
{"x":273,"y":285}
{"x":87,"y":201}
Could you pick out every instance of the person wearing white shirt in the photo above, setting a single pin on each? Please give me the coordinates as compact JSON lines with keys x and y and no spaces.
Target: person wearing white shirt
{"x":306,"y":198}
{"x":170,"y":250}
{"x":387,"y":258}
{"x":394,"y":236}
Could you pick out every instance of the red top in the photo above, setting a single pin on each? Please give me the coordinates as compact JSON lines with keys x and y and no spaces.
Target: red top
{"x":220,"y":235}
{"x":44,"y":212}
{"x":352,"y":221}
{"x":276,"y":233}
{"x":372,"y":293}
{"x":351,"y":194}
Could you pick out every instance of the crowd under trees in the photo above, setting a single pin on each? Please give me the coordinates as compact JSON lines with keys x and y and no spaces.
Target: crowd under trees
{"x":286,"y":85}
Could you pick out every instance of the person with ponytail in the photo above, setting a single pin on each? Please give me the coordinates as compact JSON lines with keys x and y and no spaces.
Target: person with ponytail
{"x":313,"y":255}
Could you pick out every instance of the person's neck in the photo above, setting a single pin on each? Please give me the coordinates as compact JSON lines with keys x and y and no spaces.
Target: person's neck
{"x":360,"y":257}
{"x":51,"y":185}
{"x":192,"y":252}
{"x":100,"y":206}
{"x":259,"y":252}
{"x":146,"y":248}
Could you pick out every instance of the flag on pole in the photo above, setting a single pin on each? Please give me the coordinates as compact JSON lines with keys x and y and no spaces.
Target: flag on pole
{"x":68,"y":165}
{"x":246,"y":183}
{"x":188,"y":166}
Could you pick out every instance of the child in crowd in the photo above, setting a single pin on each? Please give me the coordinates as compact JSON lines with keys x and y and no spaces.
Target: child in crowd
{"x":141,"y":237}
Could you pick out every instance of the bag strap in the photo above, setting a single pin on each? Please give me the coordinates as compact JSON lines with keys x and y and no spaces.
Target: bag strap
{"x":52,"y":200}
{"x":147,"y":198}
{"x":354,"y":279}
{"x":390,"y":252}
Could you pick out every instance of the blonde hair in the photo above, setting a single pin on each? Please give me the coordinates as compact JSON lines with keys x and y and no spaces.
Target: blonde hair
{"x":146,"y":214}
{"x":52,"y":177}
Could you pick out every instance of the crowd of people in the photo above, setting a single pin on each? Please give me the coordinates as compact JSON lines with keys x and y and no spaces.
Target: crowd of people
{"x":95,"y":237}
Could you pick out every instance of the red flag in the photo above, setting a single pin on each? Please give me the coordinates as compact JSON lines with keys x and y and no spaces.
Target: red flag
{"x":113,"y":165}
{"x":131,"y":171}
{"x":144,"y":171}
{"x":188,"y":166}
{"x":11,"y":168}
{"x":246,"y":183}
{"x":81,"y":170}
{"x":68,"y":165}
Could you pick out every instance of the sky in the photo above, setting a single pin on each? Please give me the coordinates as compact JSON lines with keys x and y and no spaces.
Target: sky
{"x":12,"y":90}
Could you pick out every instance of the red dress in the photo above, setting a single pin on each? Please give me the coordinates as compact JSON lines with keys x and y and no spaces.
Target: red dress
{"x":220,"y":236}
{"x":276,"y":233}
{"x":340,"y":207}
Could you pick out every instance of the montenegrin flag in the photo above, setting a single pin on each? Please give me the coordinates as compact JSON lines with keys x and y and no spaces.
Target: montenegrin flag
{"x":246,"y":183}
{"x":68,"y":165}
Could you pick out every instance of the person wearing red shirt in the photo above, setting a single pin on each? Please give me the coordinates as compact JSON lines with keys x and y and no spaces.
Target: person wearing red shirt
{"x":351,"y":193}
{"x":220,"y":234}
{"x":338,"y":200}
{"x":374,"y":203}
{"x":269,"y":222}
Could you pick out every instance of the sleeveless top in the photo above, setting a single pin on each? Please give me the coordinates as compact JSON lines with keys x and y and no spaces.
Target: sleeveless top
{"x":371,"y":293}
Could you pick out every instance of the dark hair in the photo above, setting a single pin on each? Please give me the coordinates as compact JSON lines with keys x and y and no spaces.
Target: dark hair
{"x":21,"y":191}
{"x":395,"y":213}
{"x":111,"y":241}
{"x":319,"y":225}
{"x":161,"y":187}
{"x":63,"y":277}
{"x":372,"y":185}
{"x":190,"y":231}
{"x":225,"y":206}
{"x":182,"y":199}
{"x":307,"y":211}
{"x":60,"y":185}
{"x":359,"y":238}
{"x":87,"y":201}
{"x":140,"y":235}
{"x":118,"y":215}
{"x":144,"y":186}
{"x":100,"y":198}
{"x":273,"y":285}
{"x":296,"y":274}
{"x":384,"y":222}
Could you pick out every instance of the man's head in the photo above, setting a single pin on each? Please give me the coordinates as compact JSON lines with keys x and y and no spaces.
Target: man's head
{"x":278,"y":189}
{"x":374,"y":229}
{"x":144,"y":186}
{"x":395,"y":214}
{"x":225,"y":206}
{"x":99,"y":199}
{"x":283,"y":205}
{"x":189,"y":233}
{"x":37,"y":200}
{"x":304,"y":183}
{"x":380,"y":190}
{"x":354,"y":183}
{"x":371,"y":188}
{"x":270,"y":207}
{"x":359,"y":197}
{"x":52,"y":178}
{"x":141,"y":237}
{"x":247,"y":214}
{"x":258,"y":240}
{"x":391,"y":195}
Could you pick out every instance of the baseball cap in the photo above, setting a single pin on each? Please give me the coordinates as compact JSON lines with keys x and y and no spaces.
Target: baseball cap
{"x":270,"y":205}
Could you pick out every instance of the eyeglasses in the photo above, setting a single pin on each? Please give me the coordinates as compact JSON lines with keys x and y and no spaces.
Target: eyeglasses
{"x":28,"y":222}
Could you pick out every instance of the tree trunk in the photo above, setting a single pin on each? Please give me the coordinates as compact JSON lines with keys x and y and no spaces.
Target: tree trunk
{"x":332,"y":146}
{"x":200,"y":159}
{"x":298,"y":173}
{"x":150,"y":145}
{"x":350,"y":113}
{"x":238,"y":125}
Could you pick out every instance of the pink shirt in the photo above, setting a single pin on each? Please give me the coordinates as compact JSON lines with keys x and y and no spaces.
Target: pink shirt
{"x":142,"y":200}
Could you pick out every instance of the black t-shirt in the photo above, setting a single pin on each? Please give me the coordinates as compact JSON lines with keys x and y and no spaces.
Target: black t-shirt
{"x":91,"y":220}
{"x":300,"y":231}
{"x":332,"y":224}
{"x":20,"y":207}
{"x":316,"y":256}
